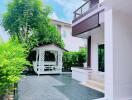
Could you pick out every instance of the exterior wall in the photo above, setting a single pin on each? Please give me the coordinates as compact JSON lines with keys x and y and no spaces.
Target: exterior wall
{"x":118,"y":39}
{"x":101,"y":1}
{"x":101,"y":17}
{"x":71,"y":43}
{"x":122,"y":29}
{"x":97,"y":38}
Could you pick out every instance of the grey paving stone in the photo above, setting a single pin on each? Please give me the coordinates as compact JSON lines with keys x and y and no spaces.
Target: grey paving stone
{"x":54,"y":87}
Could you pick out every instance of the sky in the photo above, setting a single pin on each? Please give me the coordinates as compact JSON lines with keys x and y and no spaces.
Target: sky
{"x":61,"y":10}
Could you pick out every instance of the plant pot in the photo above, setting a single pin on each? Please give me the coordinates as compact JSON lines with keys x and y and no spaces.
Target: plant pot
{"x":6,"y":97}
{"x":2,"y":97}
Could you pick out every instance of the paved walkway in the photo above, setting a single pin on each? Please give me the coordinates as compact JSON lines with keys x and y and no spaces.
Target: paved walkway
{"x":54,"y":87}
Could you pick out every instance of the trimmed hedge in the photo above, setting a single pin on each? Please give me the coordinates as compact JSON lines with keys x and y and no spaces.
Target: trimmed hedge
{"x":74,"y":59}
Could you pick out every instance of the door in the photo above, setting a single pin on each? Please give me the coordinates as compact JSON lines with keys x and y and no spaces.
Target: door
{"x":101,"y":66}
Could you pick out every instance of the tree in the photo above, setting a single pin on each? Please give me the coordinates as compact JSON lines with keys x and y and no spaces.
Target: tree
{"x":29,"y":21}
{"x":12,"y":63}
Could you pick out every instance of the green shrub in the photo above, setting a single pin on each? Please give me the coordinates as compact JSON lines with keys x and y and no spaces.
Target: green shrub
{"x":74,"y":59}
{"x":1,"y":39}
{"x":12,"y":63}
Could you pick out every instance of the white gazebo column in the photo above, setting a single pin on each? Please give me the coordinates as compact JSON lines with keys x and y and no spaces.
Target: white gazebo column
{"x":41,"y":61}
{"x":43,"y":58}
{"x":37,"y":55}
{"x":56,"y":58}
{"x":60,"y":61}
{"x":118,"y":55}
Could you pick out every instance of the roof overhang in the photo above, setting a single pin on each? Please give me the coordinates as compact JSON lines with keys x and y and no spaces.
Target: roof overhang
{"x":49,"y":45}
{"x":62,"y":23}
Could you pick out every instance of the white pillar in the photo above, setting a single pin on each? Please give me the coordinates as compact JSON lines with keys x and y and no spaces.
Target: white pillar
{"x":43,"y":58}
{"x":60,"y":60}
{"x":108,"y":55}
{"x":56,"y":58}
{"x":37,"y":55}
{"x":118,"y":55}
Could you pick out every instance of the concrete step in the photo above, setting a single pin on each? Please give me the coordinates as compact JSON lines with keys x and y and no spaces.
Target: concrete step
{"x":95,"y":85}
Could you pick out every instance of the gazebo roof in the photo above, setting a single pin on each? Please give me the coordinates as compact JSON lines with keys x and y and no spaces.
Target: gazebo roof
{"x":49,"y":45}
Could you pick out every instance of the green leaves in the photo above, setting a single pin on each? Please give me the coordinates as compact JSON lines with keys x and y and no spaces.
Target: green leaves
{"x":12,"y":63}
{"x":74,"y":59}
{"x":22,"y":14}
{"x":29,"y":21}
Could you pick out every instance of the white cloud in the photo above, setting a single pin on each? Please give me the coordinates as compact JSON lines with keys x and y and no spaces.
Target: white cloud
{"x":54,"y":16}
{"x":4,"y":34}
{"x":70,"y":6}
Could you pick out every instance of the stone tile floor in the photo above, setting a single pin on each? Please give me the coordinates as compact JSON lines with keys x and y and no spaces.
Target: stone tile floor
{"x":54,"y":87}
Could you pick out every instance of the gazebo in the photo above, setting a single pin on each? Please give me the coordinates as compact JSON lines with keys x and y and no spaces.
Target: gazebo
{"x":48,"y":59}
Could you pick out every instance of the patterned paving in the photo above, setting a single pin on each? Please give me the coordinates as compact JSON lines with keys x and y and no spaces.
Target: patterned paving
{"x":54,"y":87}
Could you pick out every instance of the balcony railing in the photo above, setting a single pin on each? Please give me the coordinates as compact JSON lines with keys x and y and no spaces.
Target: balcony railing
{"x":85,"y":7}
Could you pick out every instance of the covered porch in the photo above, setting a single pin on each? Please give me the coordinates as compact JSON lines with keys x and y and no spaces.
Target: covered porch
{"x":90,"y":25}
{"x":117,"y":29}
{"x":93,"y":71}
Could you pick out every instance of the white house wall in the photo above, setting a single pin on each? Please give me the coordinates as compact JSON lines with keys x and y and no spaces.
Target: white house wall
{"x":71,"y":43}
{"x":118,"y":39}
{"x":101,"y":17}
{"x":122,"y":31}
{"x":100,"y":1}
{"x":96,"y":39}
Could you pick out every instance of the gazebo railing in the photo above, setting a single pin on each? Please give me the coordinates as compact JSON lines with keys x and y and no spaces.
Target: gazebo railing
{"x":45,"y":66}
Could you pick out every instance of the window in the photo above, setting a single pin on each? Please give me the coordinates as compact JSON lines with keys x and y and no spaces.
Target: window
{"x":101,"y":65}
{"x":64,"y":34}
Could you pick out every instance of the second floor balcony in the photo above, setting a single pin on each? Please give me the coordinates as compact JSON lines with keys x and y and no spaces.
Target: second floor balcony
{"x":87,"y":17}
{"x":86,"y":8}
